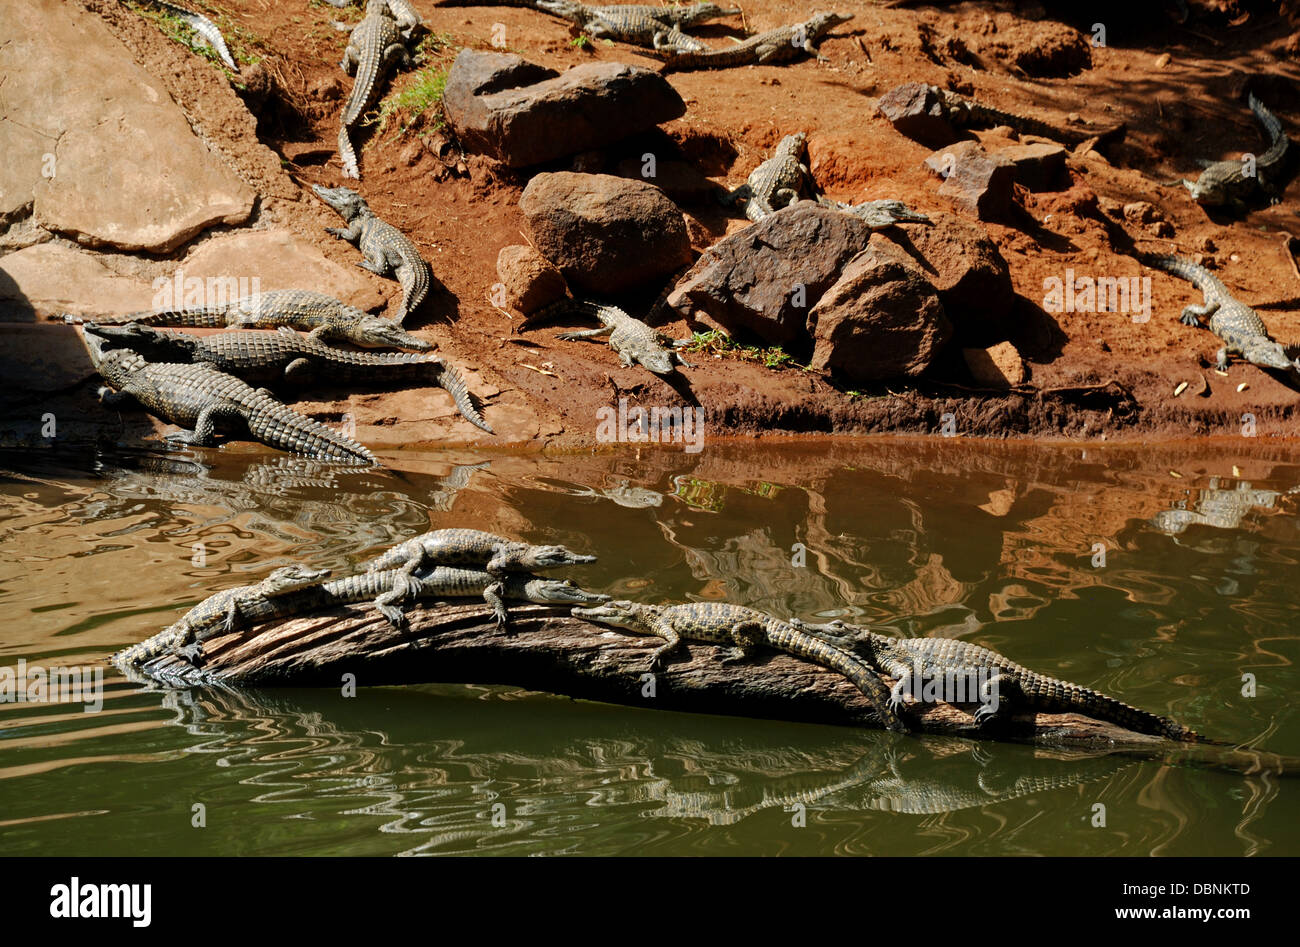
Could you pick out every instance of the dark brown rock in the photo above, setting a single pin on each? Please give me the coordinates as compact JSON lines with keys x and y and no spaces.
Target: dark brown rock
{"x":604,"y":233}
{"x":531,"y":281}
{"x":882,"y":319}
{"x":966,"y":269}
{"x":979,"y":183}
{"x":915,"y":111}
{"x":753,"y":281}
{"x":681,"y":181}
{"x":1039,"y":166}
{"x":524,"y":114}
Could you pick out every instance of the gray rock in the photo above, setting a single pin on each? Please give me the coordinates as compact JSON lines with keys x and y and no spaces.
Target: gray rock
{"x":882,"y":319}
{"x":605,"y":233}
{"x":914,"y":110}
{"x":979,"y":183}
{"x":753,"y":282}
{"x":523,"y":114}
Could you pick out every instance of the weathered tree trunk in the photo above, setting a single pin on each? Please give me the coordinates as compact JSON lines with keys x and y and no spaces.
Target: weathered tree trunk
{"x":552,"y":651}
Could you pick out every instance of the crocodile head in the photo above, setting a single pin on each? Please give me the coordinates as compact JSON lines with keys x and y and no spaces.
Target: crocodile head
{"x":551,"y":557}
{"x":1269,"y":354}
{"x":377,"y":332}
{"x":821,"y":22}
{"x":561,"y":592}
{"x":290,"y":577}
{"x":793,"y":145}
{"x":346,"y":202}
{"x":1212,"y":188}
{"x":630,"y":616}
{"x":884,"y":213}
{"x":148,"y":341}
{"x":378,"y":8}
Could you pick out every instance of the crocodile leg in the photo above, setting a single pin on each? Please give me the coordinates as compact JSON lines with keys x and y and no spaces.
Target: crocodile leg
{"x":205,"y":425}
{"x":1193,"y":314}
{"x":1221,"y":359}
{"x":672,"y":641}
{"x":493,"y":596}
{"x":586,"y":333}
{"x":748,"y":637}
{"x":990,"y":699}
{"x":351,"y":233}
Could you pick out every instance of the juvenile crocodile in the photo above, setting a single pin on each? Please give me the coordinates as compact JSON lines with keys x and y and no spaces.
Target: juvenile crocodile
{"x":223,"y":612}
{"x":1232,"y":183}
{"x":968,"y":113}
{"x":201,"y":397}
{"x":408,"y":20}
{"x":373,"y":49}
{"x":776,"y":182}
{"x":321,"y":316}
{"x":1242,"y":330}
{"x":1000,"y":681}
{"x":385,"y":248}
{"x":746,"y":629}
{"x":440,"y":582}
{"x":775,"y":46}
{"x":496,"y":555}
{"x":637,"y":24}
{"x":201,"y":25}
{"x":881,"y":214}
{"x":634,"y":341}
{"x":286,"y":358}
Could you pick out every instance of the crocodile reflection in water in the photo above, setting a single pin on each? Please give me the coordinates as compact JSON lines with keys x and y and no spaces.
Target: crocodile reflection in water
{"x":1218,"y":507}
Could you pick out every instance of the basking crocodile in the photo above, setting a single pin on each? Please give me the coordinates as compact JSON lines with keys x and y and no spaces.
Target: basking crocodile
{"x":724,"y":623}
{"x":775,"y":46}
{"x":496,"y":555}
{"x":638,"y":24}
{"x":321,"y":316}
{"x":1232,"y":183}
{"x":373,"y":49}
{"x":881,"y":214}
{"x":962,"y":112}
{"x":201,"y":25}
{"x":223,"y":612}
{"x":776,"y":182}
{"x":440,"y":582}
{"x":385,"y":248}
{"x":202,"y":397}
{"x":1242,"y":330}
{"x":634,"y":341}
{"x":285,"y":357}
{"x":1001,"y":682}
{"x":408,"y":20}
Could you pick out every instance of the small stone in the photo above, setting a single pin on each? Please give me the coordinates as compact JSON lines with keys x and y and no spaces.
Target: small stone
{"x":531,"y":281}
{"x":1163,"y":60}
{"x":999,"y":366}
{"x":977,"y":182}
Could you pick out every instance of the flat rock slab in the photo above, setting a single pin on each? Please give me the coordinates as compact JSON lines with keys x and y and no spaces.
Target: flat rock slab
{"x":763,"y":280}
{"x":977,"y":182}
{"x":605,"y":233}
{"x":523,"y":114}
{"x":126,"y":170}
{"x":49,"y":279}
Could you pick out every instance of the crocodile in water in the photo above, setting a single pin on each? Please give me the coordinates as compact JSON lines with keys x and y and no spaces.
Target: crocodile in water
{"x":385,"y":248}
{"x":746,"y":629}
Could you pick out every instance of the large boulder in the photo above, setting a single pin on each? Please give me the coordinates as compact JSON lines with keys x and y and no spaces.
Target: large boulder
{"x":604,"y":233}
{"x":881,"y":319}
{"x":964,"y":265}
{"x":763,"y":280}
{"x":523,"y":114}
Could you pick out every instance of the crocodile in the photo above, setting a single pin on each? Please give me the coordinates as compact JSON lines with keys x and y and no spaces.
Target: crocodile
{"x":1232,"y":183}
{"x":202,"y":397}
{"x":201,"y":25}
{"x":782,"y":44}
{"x":746,"y":629}
{"x":496,"y":555}
{"x":385,"y":248}
{"x":321,"y":316}
{"x":374,"y":47}
{"x":1242,"y":330}
{"x":1218,"y":507}
{"x":224,"y":611}
{"x":966,"y":113}
{"x":994,"y":679}
{"x":881,"y":214}
{"x":638,"y":24}
{"x":286,"y":358}
{"x":437,"y":583}
{"x":408,"y":19}
{"x":634,"y":341}
{"x":776,"y":182}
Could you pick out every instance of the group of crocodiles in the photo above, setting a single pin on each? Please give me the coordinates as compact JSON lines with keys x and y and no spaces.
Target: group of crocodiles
{"x":451,"y":563}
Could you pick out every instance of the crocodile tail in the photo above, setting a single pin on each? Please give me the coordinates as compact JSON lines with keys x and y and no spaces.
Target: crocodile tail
{"x":206,"y":318}
{"x":1278,"y":141}
{"x":454,"y":385}
{"x":348,"y":155}
{"x":1091,"y":703}
{"x":862,"y":676}
{"x":1194,"y":273}
{"x":278,"y":425}
{"x":203,"y":26}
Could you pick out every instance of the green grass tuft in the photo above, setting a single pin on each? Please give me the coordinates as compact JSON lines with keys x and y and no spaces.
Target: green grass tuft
{"x":720,"y":344}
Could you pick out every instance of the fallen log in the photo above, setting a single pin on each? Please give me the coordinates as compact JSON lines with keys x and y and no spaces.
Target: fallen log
{"x":553,"y":652}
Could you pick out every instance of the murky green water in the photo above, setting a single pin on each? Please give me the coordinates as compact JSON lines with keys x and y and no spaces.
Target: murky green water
{"x":994,"y":543}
